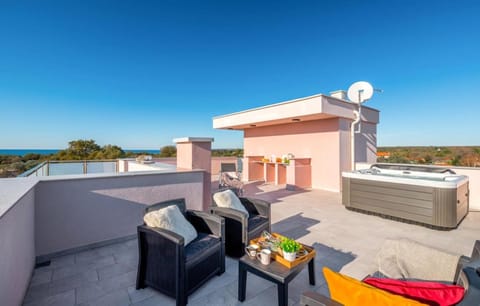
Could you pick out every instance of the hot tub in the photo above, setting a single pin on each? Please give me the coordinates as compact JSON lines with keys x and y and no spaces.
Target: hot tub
{"x":431,"y":196}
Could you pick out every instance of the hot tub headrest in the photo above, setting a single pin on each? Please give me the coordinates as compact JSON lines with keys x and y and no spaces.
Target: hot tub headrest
{"x":412,"y":168}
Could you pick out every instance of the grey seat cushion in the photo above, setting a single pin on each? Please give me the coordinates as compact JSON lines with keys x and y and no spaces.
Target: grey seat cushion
{"x":475,"y":264}
{"x":404,"y":258}
{"x":472,"y":295}
{"x":256,"y":221}
{"x":204,"y":243}
{"x":378,"y":274}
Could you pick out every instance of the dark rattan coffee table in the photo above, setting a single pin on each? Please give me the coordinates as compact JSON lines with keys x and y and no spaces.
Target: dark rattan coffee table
{"x":274,"y":272}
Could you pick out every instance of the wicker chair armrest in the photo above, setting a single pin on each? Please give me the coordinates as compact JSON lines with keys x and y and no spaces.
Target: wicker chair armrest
{"x":462,"y":262}
{"x":310,"y":298}
{"x":162,"y":234}
{"x":230,"y":213}
{"x":476,"y":250}
{"x":260,"y":206}
{"x":207,"y":223}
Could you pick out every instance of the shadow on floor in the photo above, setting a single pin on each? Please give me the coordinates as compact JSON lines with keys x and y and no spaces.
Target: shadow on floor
{"x":261,"y":190}
{"x":295,"y":226}
{"x":327,"y":257}
{"x":331,"y":257}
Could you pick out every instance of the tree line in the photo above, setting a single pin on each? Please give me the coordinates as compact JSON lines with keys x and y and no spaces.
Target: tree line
{"x":467,"y":156}
{"x":86,"y":149}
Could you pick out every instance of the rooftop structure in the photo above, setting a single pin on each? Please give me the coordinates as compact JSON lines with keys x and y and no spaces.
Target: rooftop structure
{"x":309,"y":108}
{"x":316,"y":130}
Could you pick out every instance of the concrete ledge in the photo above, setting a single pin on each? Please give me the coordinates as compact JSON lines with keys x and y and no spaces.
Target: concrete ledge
{"x":13,"y":190}
{"x":193,"y":139}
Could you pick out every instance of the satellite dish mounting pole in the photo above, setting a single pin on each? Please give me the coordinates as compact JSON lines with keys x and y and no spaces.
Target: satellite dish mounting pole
{"x":358,"y":93}
{"x":356,"y":120}
{"x":359,"y":121}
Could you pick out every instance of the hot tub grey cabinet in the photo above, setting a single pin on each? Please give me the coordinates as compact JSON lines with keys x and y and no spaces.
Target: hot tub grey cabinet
{"x":438,"y":207}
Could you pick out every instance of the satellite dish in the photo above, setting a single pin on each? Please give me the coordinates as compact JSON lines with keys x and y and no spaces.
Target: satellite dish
{"x":360,"y":92}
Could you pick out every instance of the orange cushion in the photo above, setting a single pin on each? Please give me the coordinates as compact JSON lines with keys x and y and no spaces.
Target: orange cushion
{"x":351,"y":292}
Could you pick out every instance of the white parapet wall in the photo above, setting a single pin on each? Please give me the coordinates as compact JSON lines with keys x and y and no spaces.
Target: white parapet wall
{"x":98,"y":208}
{"x":131,"y":165}
{"x":473,"y":184}
{"x":17,"y":238}
{"x":44,"y":217}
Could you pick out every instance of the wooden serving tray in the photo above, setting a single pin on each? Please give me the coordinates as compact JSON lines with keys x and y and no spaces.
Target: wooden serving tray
{"x":278,"y":256}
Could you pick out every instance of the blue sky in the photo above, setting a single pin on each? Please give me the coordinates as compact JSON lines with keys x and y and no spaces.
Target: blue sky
{"x":140,"y":73}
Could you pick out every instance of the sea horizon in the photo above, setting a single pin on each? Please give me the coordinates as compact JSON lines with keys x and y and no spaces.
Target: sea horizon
{"x":23,"y":152}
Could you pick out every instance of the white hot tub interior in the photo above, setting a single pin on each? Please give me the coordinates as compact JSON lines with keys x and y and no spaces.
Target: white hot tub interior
{"x":411,"y":174}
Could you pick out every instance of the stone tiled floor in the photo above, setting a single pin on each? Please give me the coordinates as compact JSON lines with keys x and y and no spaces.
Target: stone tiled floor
{"x":345,"y":241}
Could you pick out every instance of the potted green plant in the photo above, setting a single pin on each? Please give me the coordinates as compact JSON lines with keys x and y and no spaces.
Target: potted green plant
{"x":289,"y":248}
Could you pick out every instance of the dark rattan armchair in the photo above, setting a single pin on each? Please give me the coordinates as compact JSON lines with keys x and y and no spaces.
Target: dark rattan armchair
{"x":239,"y":229}
{"x":174,"y":269}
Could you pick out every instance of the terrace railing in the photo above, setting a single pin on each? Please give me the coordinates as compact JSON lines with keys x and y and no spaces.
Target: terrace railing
{"x":49,"y":168}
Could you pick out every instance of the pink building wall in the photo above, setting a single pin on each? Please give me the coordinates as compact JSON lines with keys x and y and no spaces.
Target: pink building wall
{"x":325,"y":141}
{"x":315,"y":128}
{"x":345,"y":162}
{"x":217,"y":161}
{"x":299,"y":173}
{"x":185,"y":156}
{"x":196,"y":153}
{"x":366,"y":143}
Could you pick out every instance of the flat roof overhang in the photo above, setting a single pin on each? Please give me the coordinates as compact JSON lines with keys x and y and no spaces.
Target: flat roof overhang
{"x":303,"y":109}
